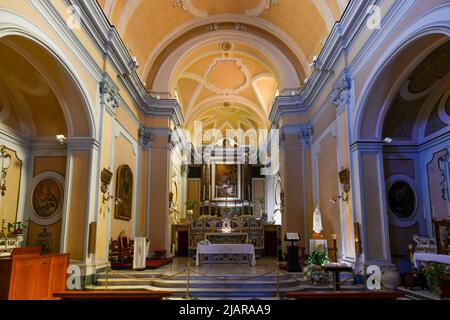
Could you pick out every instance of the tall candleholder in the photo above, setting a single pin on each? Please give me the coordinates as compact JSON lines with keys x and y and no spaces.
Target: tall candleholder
{"x":335,"y":249}
{"x":3,"y":235}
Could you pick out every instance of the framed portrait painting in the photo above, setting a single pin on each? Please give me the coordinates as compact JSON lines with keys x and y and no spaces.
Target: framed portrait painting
{"x":47,"y":198}
{"x":124,"y":193}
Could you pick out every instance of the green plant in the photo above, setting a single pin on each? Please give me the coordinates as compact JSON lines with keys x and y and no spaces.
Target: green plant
{"x":313,"y":270}
{"x":317,"y":258}
{"x":190,"y":205}
{"x":435,"y":273}
{"x":314,"y":273}
{"x":16,"y":227}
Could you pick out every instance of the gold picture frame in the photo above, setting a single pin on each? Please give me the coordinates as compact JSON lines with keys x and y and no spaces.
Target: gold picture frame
{"x":124,"y":193}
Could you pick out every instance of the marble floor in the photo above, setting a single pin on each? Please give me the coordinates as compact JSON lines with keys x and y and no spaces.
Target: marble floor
{"x":263,"y":266}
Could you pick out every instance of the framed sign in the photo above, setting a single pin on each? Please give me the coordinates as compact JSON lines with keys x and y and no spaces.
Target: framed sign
{"x":124,"y":193}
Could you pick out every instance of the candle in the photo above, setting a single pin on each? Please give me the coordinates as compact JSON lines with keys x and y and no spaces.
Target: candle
{"x":334,"y":237}
{"x":433,"y":212}
{"x":424,"y":213}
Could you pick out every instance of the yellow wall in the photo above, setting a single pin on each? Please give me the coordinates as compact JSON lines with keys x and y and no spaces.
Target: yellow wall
{"x":123,"y":155}
{"x":105,"y":164}
{"x":77,"y":210}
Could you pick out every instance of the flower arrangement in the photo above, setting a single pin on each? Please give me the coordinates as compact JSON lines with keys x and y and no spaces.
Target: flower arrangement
{"x":313,"y":270}
{"x":16,"y":228}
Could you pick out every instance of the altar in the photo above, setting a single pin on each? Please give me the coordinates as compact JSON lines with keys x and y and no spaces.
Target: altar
{"x":226,"y":254}
{"x":227,"y":238}
{"x":243,"y":230}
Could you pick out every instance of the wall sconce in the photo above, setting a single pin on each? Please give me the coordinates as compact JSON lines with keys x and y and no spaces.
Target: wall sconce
{"x":344,"y":179}
{"x":106,"y":178}
{"x":61,"y":139}
{"x":5,"y":160}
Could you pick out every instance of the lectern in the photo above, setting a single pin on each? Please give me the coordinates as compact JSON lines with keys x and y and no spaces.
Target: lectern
{"x":293,"y":265}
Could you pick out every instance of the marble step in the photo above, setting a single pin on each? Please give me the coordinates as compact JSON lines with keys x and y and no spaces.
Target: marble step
{"x":205,"y":293}
{"x":198,"y":283}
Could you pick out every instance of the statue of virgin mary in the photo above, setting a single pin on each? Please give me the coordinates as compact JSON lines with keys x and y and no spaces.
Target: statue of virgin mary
{"x":317,"y":221}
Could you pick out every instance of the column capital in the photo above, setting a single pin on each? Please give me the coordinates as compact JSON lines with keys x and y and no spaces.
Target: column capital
{"x":303,"y":131}
{"x":341,"y":94}
{"x":109,"y":93}
{"x":146,"y":137}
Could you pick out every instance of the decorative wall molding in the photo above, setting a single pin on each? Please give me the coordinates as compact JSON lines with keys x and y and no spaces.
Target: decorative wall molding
{"x":109,"y":93}
{"x":146,"y":137}
{"x":109,"y":43}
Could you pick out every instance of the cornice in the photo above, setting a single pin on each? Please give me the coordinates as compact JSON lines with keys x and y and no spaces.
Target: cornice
{"x":286,"y":105}
{"x":109,"y":43}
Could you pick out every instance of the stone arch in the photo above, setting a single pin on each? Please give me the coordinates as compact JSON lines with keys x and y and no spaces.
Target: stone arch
{"x":431,"y":30}
{"x":19,"y":31}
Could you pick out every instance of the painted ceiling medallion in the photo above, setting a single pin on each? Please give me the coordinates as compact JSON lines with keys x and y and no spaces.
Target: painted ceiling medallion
{"x":227,"y":76}
{"x":227,"y":46}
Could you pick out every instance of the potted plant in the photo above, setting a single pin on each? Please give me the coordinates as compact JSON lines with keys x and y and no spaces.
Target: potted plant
{"x":190,"y":206}
{"x":438,"y":276}
{"x":16,"y":228}
{"x":313,"y":270}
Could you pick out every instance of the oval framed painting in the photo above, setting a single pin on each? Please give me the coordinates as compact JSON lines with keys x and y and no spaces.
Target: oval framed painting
{"x":47,"y":198}
{"x":402,"y":200}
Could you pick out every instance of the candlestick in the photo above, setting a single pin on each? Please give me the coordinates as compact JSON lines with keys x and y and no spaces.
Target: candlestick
{"x":335,"y":249}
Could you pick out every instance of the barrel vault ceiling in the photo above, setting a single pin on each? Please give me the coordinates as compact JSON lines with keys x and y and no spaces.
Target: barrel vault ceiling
{"x":230,"y":70}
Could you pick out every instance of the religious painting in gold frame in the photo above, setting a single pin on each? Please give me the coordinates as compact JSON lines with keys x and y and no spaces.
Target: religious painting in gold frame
{"x":226,"y":181}
{"x":124,"y":193}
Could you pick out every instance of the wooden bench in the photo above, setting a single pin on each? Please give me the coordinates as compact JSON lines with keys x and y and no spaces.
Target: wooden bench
{"x":345,"y":295}
{"x":111,"y":295}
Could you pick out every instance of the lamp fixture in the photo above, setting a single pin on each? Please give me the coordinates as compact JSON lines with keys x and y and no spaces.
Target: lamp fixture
{"x":61,"y":138}
{"x":344,"y":179}
{"x":388,"y":140}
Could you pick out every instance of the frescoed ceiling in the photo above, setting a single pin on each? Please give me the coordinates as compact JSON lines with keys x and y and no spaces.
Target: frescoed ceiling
{"x":272,"y":43}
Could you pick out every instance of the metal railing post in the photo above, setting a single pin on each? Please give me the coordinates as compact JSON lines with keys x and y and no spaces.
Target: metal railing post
{"x":188,"y":296}
{"x":278,"y":296}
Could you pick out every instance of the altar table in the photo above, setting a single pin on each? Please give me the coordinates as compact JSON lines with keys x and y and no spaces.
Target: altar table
{"x":243,"y":253}
{"x":419,"y":258}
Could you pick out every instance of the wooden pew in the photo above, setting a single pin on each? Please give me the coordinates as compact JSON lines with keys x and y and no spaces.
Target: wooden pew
{"x":111,"y":295}
{"x":345,"y":295}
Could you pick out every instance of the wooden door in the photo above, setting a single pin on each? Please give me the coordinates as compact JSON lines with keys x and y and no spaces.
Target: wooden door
{"x":183,"y":243}
{"x":270,"y":243}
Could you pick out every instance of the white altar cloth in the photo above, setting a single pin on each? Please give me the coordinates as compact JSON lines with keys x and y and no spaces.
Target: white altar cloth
{"x":420,"y":257}
{"x":140,"y":254}
{"x":247,"y":249}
